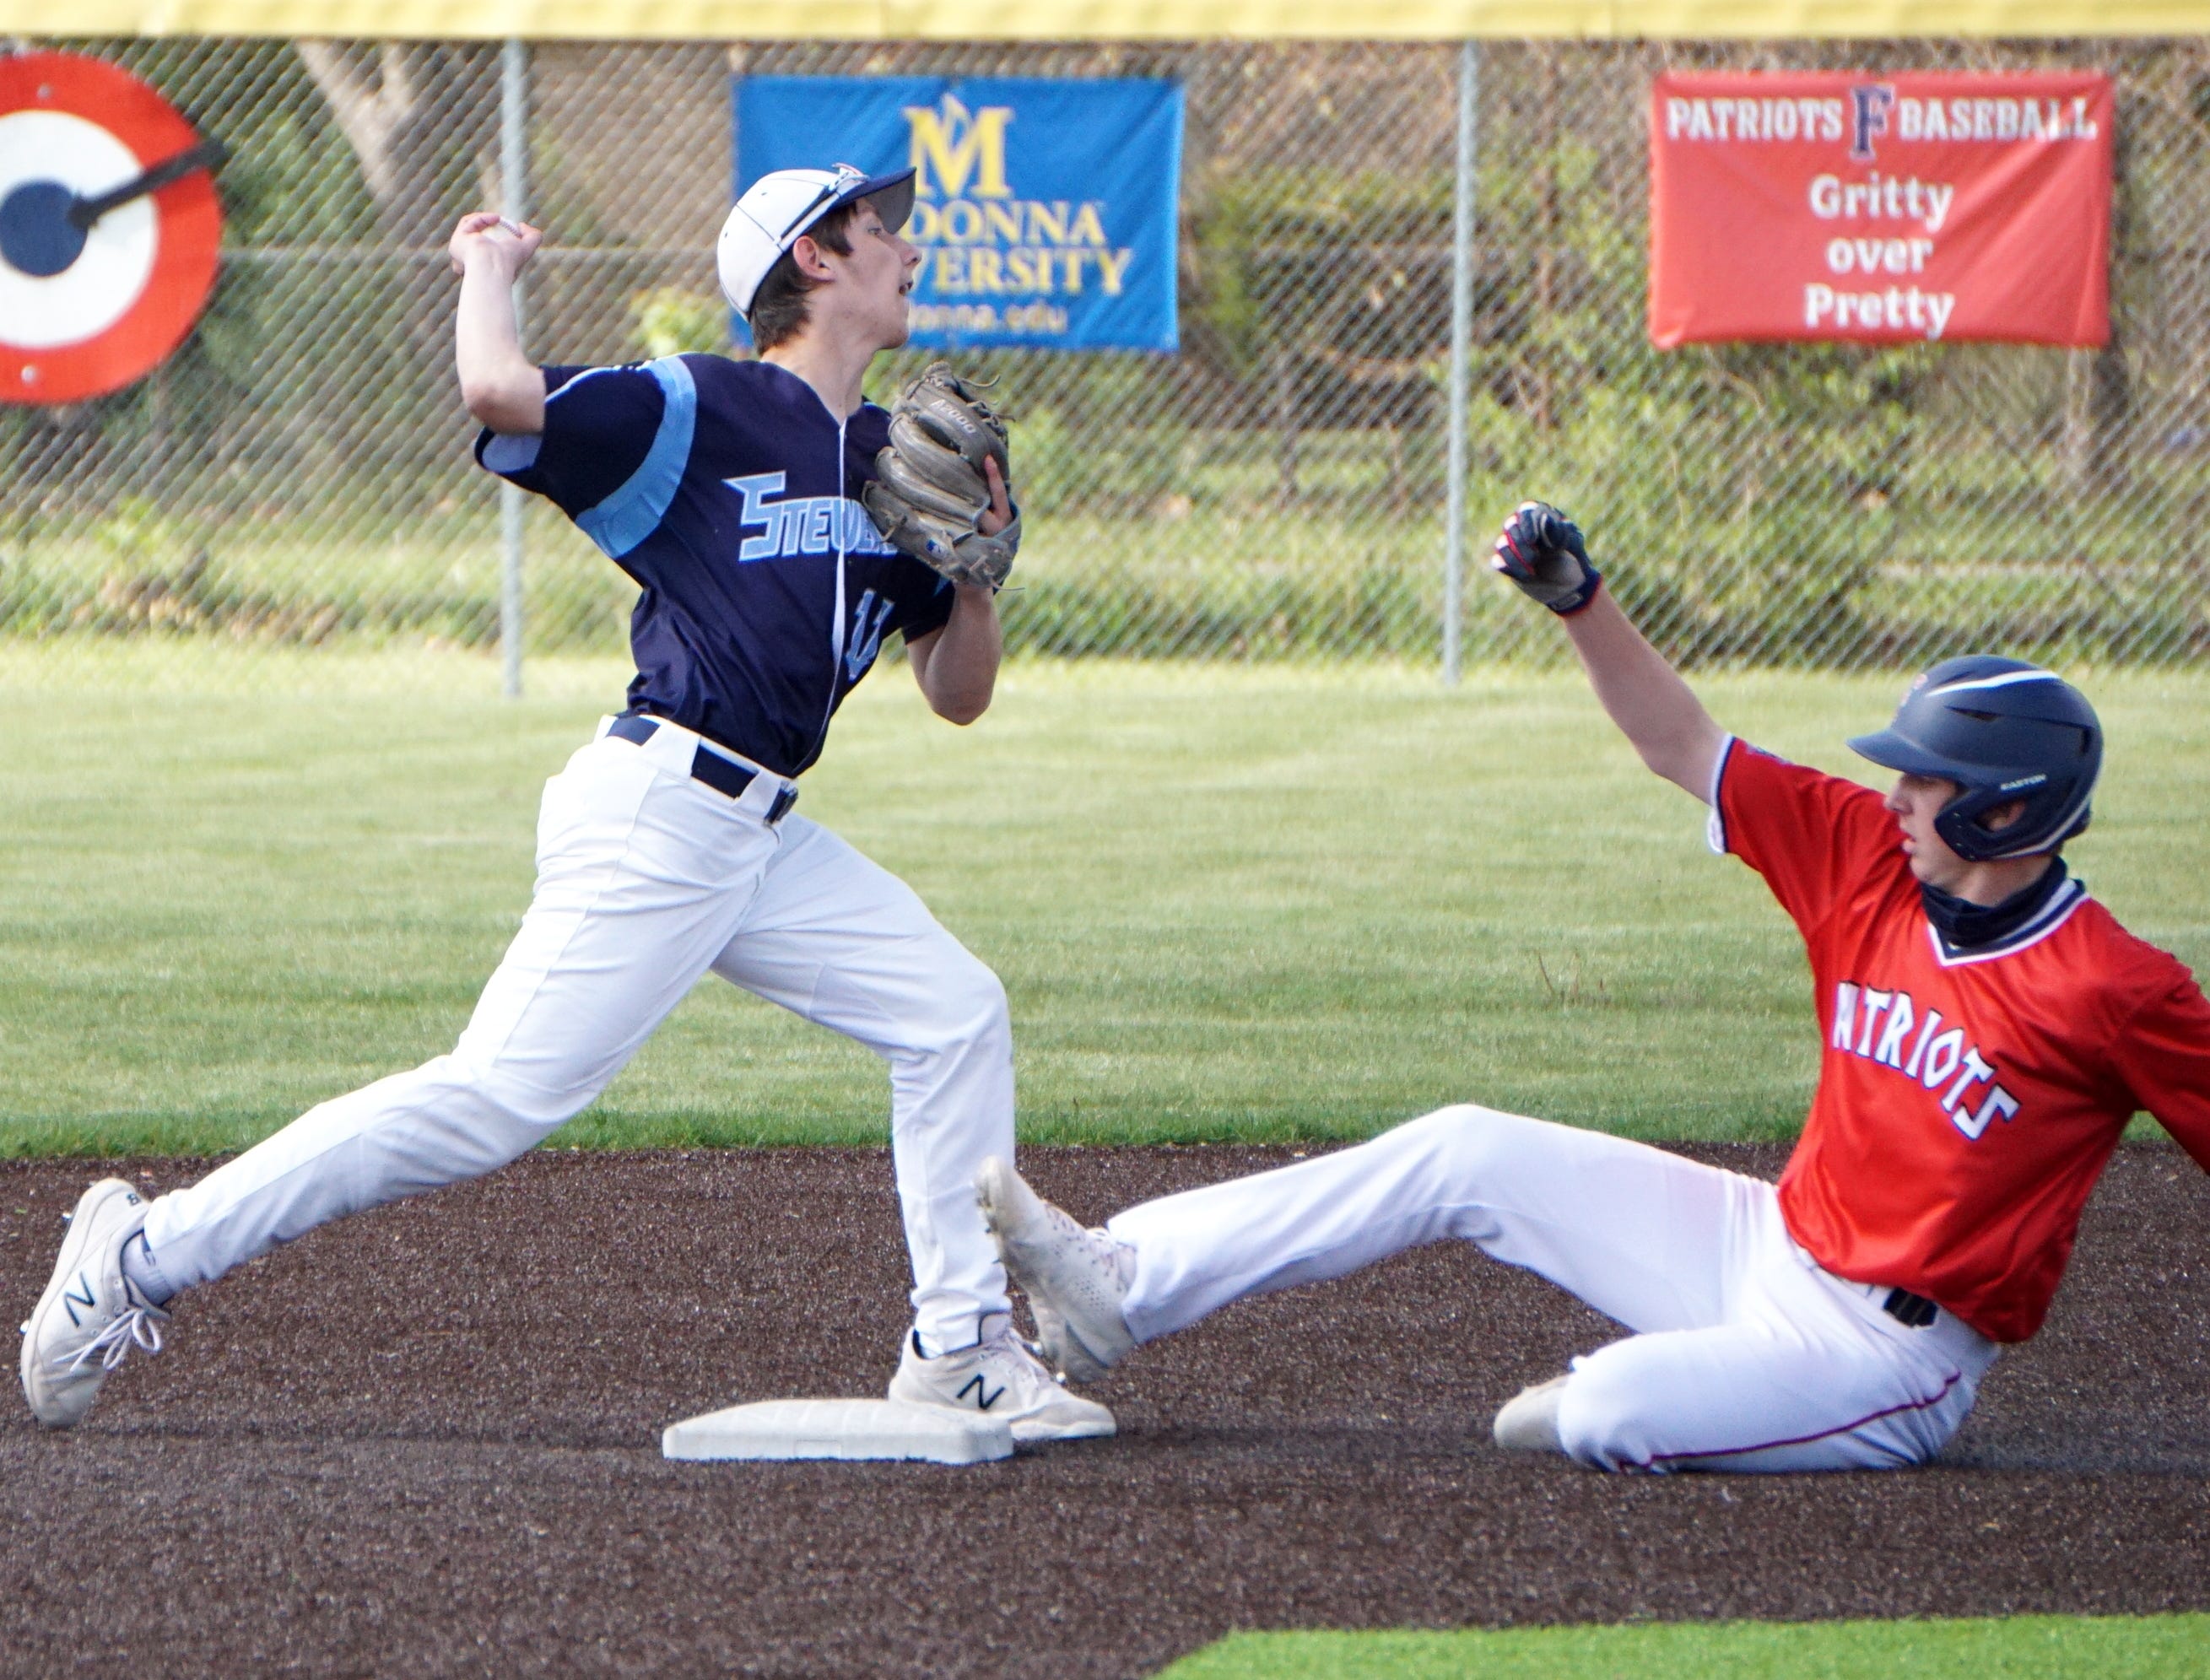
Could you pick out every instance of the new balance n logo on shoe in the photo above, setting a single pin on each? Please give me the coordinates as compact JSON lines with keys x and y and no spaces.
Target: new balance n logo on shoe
{"x":72,"y":1299}
{"x":984,"y":1399}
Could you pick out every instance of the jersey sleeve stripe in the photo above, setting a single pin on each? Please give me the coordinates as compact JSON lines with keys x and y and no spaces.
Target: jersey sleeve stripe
{"x":507,"y":453}
{"x":631,"y":514}
{"x":568,"y":385}
{"x":1715,"y":827}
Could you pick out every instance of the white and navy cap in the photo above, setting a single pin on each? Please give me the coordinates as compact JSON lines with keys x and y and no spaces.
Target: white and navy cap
{"x":777,"y":207}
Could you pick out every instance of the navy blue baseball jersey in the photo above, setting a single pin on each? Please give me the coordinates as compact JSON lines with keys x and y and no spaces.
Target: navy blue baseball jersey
{"x":730,"y":493}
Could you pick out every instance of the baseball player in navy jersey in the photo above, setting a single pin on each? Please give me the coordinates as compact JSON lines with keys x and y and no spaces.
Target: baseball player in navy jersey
{"x":669,"y":847}
{"x":1987,"y":1030}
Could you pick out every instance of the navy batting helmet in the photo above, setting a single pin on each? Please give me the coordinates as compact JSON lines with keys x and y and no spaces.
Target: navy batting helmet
{"x":2001,"y":729}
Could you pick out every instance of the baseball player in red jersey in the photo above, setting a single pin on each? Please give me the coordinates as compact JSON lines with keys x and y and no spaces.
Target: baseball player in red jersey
{"x":1988,"y":1029}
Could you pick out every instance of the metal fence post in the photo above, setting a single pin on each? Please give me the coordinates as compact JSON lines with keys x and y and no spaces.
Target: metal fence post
{"x":514,"y":187}
{"x":1469,"y":70}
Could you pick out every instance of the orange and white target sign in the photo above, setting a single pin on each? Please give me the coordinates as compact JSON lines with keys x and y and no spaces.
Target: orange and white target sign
{"x":110,"y":231}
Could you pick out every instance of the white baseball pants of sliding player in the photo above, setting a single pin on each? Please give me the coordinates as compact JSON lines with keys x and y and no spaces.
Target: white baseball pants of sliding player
{"x":646,"y":880}
{"x":1745,"y":1355}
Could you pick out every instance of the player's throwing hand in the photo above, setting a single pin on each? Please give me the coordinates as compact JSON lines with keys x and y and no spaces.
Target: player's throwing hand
{"x":482,"y":232}
{"x":1540,"y":550}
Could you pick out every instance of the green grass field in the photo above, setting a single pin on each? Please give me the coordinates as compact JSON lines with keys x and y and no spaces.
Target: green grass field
{"x":2024,"y":1647}
{"x":1227,"y":903}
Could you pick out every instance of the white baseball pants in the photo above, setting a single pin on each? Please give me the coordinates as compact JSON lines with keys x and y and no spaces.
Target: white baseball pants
{"x":1746,"y":1356}
{"x":647,"y":878}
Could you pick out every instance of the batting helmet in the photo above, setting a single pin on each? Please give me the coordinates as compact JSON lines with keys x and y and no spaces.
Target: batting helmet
{"x":2001,"y":729}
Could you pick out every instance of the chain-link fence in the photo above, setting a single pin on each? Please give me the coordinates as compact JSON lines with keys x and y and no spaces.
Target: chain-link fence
{"x":297,"y":476}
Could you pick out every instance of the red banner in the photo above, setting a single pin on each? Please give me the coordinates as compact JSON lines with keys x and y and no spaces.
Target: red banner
{"x":1882,"y":209}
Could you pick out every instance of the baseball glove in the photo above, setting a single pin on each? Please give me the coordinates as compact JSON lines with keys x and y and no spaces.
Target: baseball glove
{"x":931,"y":489}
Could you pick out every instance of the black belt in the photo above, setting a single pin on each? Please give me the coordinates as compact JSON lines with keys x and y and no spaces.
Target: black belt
{"x":719,"y":774}
{"x":1905,"y":1308}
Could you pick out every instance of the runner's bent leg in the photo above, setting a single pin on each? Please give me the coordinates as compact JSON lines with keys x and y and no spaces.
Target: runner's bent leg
{"x":837,"y":939}
{"x":641,"y":876}
{"x":1644,"y":1236}
{"x":1809,"y":1374}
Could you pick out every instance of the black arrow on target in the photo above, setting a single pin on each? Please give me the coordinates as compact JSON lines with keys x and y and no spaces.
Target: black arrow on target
{"x":43,"y":224}
{"x":208,"y":154}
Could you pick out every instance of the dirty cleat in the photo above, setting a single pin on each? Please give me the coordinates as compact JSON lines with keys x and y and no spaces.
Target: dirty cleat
{"x":1075,"y":1277}
{"x":90,"y":1315}
{"x":999,"y":1377}
{"x":1529,"y":1421}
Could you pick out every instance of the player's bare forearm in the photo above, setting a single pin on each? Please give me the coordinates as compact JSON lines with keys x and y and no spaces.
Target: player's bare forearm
{"x":1642,"y":693}
{"x":502,"y":386}
{"x":957,"y":666}
{"x":1544,"y":555}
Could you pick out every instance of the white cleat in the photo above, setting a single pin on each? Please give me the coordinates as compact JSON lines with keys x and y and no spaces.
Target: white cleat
{"x":1529,"y":1421}
{"x":999,"y":1378}
{"x":1075,"y":1277}
{"x":90,"y":1315}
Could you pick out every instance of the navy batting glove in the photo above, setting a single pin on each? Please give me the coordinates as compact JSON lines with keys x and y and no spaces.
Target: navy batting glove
{"x":1542,"y":552}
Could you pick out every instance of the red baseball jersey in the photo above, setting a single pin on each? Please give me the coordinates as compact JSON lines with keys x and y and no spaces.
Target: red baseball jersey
{"x":1967,"y":1099}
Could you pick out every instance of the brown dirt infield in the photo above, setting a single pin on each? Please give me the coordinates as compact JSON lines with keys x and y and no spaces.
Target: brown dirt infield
{"x":426,"y":1442}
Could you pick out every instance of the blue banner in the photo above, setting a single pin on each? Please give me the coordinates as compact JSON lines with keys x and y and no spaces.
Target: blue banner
{"x":1044,"y":209}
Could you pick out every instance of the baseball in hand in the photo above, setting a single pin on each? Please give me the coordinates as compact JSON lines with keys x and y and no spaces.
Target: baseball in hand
{"x":485,"y":228}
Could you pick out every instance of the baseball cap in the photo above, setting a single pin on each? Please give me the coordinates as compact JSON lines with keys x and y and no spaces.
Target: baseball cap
{"x":777,"y":207}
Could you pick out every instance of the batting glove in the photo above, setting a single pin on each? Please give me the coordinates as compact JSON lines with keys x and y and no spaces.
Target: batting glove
{"x":1542,"y":553}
